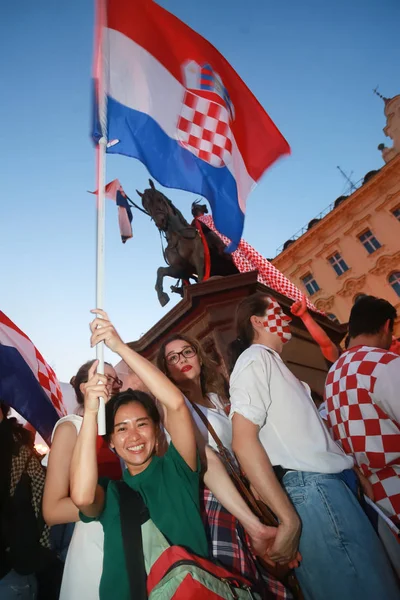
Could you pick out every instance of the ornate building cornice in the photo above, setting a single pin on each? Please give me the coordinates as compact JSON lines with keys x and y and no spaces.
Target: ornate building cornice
{"x":378,"y":185}
{"x":352,"y":286}
{"x":325,"y":304}
{"x":357,"y":224}
{"x":301,"y":268}
{"x":328,"y":248}
{"x":391,"y":199}
{"x":386,"y":263}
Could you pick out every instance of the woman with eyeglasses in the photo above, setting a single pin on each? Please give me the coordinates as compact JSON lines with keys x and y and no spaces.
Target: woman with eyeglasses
{"x":183,"y":360}
{"x":83,"y":565}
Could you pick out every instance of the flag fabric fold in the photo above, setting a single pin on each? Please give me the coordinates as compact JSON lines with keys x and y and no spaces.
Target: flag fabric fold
{"x":27,"y":383}
{"x":246,"y":258}
{"x":114,"y":191}
{"x":176,"y":104}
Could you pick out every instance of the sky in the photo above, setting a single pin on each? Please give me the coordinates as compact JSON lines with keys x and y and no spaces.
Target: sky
{"x":311,"y":64}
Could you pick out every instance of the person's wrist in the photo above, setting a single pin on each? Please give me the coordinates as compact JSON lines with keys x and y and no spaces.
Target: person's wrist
{"x":90,"y":414}
{"x":251,"y":524}
{"x":290,"y":521}
{"x":120,"y":347}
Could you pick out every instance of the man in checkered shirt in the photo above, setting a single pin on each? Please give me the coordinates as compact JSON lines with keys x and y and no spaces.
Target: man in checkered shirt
{"x":362,"y":394}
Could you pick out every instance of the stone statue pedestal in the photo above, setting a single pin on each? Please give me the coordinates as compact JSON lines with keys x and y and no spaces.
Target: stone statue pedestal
{"x":207,"y":312}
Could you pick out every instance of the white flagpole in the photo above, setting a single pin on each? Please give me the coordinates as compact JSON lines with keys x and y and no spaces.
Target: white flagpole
{"x":101,"y":181}
{"x":101,"y":169}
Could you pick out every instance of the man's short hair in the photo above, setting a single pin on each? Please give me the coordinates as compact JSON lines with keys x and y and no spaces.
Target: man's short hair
{"x":369,"y":314}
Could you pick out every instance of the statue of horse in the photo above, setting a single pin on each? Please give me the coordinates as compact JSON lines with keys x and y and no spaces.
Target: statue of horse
{"x":184,"y":252}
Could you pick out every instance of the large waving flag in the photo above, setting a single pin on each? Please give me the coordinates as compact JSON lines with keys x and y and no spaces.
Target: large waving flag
{"x":27,"y":383}
{"x":172,"y":101}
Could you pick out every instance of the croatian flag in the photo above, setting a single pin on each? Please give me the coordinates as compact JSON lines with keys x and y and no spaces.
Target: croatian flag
{"x":27,"y":383}
{"x":172,"y":101}
{"x":114,"y":191}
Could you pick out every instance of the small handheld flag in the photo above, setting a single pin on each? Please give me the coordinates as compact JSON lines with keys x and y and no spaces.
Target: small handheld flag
{"x":114,"y":191}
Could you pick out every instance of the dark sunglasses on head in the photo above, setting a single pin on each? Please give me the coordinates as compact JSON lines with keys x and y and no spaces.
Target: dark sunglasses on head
{"x":187,"y":352}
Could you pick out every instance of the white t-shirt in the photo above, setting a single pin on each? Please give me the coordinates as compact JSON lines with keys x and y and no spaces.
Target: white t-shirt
{"x":265,"y":391}
{"x":84,"y":562}
{"x":218,"y":419}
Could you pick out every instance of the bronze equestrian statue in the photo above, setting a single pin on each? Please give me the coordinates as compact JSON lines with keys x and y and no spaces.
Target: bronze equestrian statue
{"x":184,"y":252}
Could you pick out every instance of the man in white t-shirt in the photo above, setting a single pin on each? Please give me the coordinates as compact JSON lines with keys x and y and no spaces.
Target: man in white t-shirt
{"x":277,"y":432}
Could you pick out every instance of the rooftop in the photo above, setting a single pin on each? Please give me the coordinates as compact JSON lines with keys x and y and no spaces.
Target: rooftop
{"x":327,"y":210}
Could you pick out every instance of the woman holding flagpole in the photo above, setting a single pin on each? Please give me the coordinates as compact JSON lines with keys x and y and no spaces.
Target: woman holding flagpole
{"x":82,"y":571}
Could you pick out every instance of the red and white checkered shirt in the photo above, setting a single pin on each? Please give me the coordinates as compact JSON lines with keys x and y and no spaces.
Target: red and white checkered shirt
{"x":362,"y":394}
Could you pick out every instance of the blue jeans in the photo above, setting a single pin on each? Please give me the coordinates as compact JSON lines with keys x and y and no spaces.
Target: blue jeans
{"x":18,"y":587}
{"x":343,"y":558}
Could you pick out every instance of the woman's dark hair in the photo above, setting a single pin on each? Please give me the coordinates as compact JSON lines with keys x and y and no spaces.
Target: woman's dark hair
{"x":211,"y":379}
{"x":126,"y":397}
{"x":22,"y":436}
{"x":82,"y":377}
{"x":256,"y":305}
{"x":5,"y":409}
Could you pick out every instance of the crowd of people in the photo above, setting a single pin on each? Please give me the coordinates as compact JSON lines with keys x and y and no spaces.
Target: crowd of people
{"x":162,"y":500}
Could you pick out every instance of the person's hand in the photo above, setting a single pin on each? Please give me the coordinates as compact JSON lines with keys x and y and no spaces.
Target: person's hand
{"x":262,"y":540}
{"x":365,"y":484}
{"x":285,"y":547}
{"x":104,"y":331}
{"x":93,"y":389}
{"x":299,"y":308}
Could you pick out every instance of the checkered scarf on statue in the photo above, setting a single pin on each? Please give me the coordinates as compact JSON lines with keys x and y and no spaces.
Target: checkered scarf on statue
{"x":276,"y":321}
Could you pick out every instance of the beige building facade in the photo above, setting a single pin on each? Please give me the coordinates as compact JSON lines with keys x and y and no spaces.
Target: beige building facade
{"x":354,"y":249}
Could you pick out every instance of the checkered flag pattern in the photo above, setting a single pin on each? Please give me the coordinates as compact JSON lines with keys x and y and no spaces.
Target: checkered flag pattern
{"x":246,"y":259}
{"x":274,"y":319}
{"x":203,"y":128}
{"x":365,"y":431}
{"x":48,"y":380}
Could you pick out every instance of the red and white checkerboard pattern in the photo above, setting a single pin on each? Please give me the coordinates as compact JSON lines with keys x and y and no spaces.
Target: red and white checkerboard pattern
{"x":48,"y":380}
{"x":276,"y":321}
{"x":361,"y":425}
{"x":12,"y":335}
{"x":203,"y":128}
{"x":246,"y":259}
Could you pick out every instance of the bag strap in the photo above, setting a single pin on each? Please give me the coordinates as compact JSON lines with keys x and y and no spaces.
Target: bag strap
{"x":265,"y":515}
{"x":133,"y":513}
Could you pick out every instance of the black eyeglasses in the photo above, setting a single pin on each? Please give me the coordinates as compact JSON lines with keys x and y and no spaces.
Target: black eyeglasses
{"x":187,"y":352}
{"x":114,"y":381}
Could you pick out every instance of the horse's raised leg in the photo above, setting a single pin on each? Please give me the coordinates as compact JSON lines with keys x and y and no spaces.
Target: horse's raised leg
{"x":161,"y":273}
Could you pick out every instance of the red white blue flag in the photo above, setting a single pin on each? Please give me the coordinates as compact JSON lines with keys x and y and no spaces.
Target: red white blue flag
{"x":114,"y":191}
{"x":172,"y":101}
{"x":27,"y":383}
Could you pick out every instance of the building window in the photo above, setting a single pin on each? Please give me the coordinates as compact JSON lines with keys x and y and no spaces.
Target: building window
{"x":369,"y":241}
{"x":333,"y":317}
{"x":394,"y":281}
{"x":396,"y":213}
{"x":338,"y":264}
{"x":310,"y":284}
